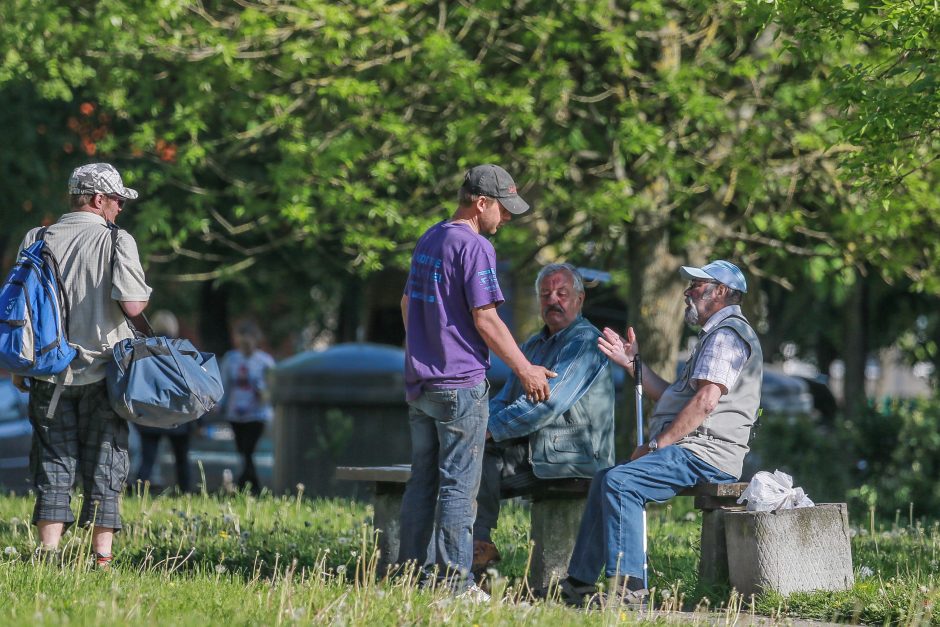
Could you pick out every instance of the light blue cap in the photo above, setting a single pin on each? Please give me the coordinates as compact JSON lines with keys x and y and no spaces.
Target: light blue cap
{"x":722,"y":271}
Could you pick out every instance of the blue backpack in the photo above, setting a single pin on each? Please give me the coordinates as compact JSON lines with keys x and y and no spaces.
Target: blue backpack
{"x":34,"y":315}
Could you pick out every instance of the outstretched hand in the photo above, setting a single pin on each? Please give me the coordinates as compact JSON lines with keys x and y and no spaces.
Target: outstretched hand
{"x":534,"y":381}
{"x":619,"y":350}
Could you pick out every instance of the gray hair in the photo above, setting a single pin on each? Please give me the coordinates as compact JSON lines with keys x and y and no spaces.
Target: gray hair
{"x":734,"y":296}
{"x":77,"y":201}
{"x":552,"y":268}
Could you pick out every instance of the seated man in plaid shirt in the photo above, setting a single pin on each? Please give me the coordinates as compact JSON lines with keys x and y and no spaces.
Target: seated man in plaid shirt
{"x":699,"y":433}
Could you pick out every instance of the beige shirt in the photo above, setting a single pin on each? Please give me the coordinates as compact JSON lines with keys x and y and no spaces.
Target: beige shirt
{"x":82,"y":244}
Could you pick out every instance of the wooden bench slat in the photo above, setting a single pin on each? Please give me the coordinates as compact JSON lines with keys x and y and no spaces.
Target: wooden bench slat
{"x":719,"y":490}
{"x":399,"y":473}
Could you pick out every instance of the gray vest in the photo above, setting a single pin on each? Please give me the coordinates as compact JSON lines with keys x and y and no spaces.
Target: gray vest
{"x":722,"y":439}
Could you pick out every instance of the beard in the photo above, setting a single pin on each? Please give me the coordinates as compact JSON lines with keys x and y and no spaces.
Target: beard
{"x":692,"y":316}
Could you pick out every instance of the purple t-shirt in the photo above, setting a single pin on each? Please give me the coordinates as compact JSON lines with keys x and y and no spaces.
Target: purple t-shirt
{"x":453,"y":272}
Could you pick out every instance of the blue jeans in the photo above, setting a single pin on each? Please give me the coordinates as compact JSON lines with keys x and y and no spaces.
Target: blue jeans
{"x":611,"y":533}
{"x":448,"y":428}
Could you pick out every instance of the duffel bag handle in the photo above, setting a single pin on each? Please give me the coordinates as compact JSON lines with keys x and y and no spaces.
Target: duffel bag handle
{"x":139,"y":325}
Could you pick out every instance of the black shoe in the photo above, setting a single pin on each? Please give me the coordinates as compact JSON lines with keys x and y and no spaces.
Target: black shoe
{"x":576,"y":594}
{"x":485,"y":556}
{"x":626,"y":599}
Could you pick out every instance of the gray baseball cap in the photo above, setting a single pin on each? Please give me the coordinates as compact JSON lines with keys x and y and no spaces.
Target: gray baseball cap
{"x":721,"y":271}
{"x":494,"y":182}
{"x":99,"y":178}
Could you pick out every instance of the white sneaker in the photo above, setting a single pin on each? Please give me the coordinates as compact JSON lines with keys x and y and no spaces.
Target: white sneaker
{"x":474,"y":594}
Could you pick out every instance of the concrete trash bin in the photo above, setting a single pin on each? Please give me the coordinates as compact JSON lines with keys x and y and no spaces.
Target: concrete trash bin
{"x":343,"y":406}
{"x":792,"y":550}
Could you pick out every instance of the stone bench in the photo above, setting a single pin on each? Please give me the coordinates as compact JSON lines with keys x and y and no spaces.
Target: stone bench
{"x":714,"y":500}
{"x":792,"y":550}
{"x":554,"y":517}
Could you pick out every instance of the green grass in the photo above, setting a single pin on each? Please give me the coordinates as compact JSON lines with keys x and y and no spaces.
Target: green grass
{"x":234,"y":560}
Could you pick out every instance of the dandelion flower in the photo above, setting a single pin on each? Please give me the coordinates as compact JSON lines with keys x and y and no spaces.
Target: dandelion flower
{"x":11,"y":551}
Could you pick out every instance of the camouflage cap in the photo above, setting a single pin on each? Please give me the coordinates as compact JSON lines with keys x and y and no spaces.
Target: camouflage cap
{"x":99,"y":178}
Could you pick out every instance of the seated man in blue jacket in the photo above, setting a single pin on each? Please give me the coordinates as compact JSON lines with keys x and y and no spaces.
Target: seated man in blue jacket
{"x":569,"y":435}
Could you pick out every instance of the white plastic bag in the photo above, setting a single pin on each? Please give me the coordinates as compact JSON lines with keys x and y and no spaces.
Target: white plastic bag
{"x":772,"y":492}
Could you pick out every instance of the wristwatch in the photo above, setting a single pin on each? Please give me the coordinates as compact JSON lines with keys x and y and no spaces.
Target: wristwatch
{"x":652,"y":444}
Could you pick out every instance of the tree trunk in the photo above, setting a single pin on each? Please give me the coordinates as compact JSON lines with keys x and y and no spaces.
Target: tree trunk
{"x":856,"y":348}
{"x":214,"y":321}
{"x":655,"y":304}
{"x":350,"y":327}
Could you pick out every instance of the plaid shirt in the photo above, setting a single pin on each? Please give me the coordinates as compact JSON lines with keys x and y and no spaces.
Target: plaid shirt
{"x":723,"y":354}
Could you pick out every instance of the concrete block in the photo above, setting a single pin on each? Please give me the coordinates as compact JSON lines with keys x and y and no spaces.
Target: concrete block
{"x":789,"y":551}
{"x":386,"y":522}
{"x":554,"y":529}
{"x":713,"y":559}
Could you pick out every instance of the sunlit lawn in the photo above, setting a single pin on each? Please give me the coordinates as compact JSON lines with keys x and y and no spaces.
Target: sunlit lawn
{"x":237,"y":559}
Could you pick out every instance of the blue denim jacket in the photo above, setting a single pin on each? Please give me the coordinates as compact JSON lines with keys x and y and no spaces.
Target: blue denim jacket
{"x":572,"y":433}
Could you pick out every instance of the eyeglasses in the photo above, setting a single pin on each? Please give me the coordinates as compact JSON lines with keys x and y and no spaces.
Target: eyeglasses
{"x":694,"y":285}
{"x":120,"y":201}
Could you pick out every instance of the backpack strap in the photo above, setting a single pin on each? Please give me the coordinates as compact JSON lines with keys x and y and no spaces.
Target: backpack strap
{"x":139,"y":323}
{"x":47,"y":253}
{"x":60,"y":379}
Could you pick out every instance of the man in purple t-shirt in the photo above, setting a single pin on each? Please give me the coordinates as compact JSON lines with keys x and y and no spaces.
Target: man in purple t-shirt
{"x":449,"y":311}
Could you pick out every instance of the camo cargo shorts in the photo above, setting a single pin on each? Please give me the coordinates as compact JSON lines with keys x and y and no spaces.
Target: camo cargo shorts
{"x":84,"y":435}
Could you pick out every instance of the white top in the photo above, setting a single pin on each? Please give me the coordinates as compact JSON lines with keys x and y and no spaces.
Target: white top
{"x":246,"y":390}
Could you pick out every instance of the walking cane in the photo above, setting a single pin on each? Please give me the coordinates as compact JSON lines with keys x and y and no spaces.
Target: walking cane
{"x":638,"y":377}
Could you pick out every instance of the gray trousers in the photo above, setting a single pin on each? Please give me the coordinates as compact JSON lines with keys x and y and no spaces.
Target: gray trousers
{"x":84,"y":438}
{"x":507,"y":473}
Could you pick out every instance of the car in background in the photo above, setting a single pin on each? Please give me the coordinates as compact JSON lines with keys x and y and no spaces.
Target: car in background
{"x":212,"y":447}
{"x":15,"y":438}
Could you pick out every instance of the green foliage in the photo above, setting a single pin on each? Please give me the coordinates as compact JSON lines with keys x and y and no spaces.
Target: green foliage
{"x":883,"y":83}
{"x":900,"y":442}
{"x":321,"y":138}
{"x":885,"y":460}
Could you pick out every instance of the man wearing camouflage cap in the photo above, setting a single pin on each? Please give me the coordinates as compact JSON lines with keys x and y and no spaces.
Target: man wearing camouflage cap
{"x":75,"y":431}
